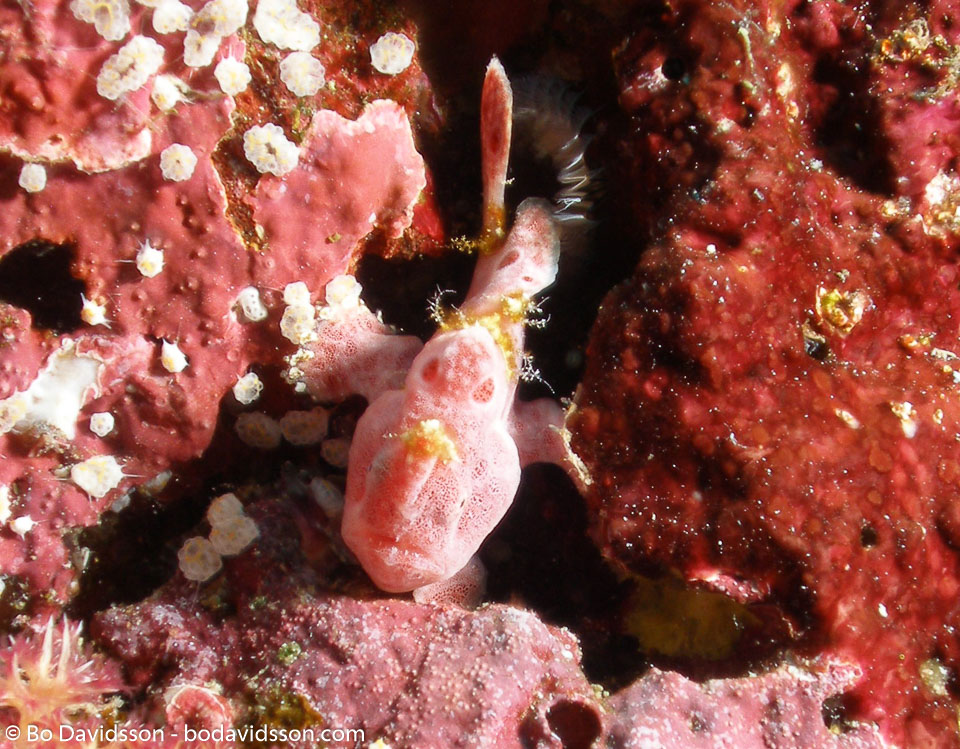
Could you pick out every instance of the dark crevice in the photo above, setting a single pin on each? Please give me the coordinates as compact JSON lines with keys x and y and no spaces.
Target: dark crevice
{"x":35,"y":276}
{"x":401,"y":289}
{"x":848,"y":135}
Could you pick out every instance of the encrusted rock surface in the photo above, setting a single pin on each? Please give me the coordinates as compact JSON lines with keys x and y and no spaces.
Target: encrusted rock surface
{"x":412,"y":675}
{"x":770,"y":403}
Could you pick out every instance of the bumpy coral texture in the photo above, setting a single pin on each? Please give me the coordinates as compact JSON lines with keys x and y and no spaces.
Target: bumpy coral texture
{"x":412,"y":675}
{"x":770,"y":401}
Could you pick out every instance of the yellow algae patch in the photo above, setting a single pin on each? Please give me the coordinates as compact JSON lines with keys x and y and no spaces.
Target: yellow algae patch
{"x":430,"y":439}
{"x":512,"y":309}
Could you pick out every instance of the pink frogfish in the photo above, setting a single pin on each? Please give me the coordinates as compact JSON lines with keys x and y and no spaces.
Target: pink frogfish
{"x":435,"y":464}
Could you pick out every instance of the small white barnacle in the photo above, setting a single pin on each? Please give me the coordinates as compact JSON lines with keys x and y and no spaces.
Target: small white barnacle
{"x":177,"y":162}
{"x":111,"y":18}
{"x":267,"y":148}
{"x":171,"y":16}
{"x":101,"y":423}
{"x":248,"y":388}
{"x":304,"y":427}
{"x":256,"y":429}
{"x":199,"y":49}
{"x":215,"y":20}
{"x":392,"y":53}
{"x":97,"y":475}
{"x":233,"y":535}
{"x":282,"y":23}
{"x":167,"y":92}
{"x":93,"y":313}
{"x":130,"y":68}
{"x":172,"y":358}
{"x":22,"y":525}
{"x":302,"y":73}
{"x":198,"y":560}
{"x":251,"y":305}
{"x":220,"y":17}
{"x":343,"y":291}
{"x":149,"y":260}
{"x":296,"y":294}
{"x":224,"y":508}
{"x":33,"y":177}
{"x":232,"y":75}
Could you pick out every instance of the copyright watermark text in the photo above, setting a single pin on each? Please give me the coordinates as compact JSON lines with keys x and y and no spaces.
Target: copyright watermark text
{"x":66,"y":734}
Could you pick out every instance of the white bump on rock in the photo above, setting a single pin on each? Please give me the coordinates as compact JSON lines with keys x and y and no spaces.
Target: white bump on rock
{"x":97,"y":475}
{"x":392,"y":53}
{"x":33,"y":177}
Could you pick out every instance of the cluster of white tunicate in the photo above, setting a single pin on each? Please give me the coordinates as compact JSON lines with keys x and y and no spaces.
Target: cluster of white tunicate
{"x":171,"y":16}
{"x":33,"y":177}
{"x":282,"y":23}
{"x":231,"y":530}
{"x":223,"y":508}
{"x":343,"y":291}
{"x":172,"y":358}
{"x":232,"y":75}
{"x":168,"y":91}
{"x":336,"y":452}
{"x":298,"y":324}
{"x":304,"y":427}
{"x":234,"y":535}
{"x":258,"y":430}
{"x":392,"y":53}
{"x":177,"y":162}
{"x":267,"y":148}
{"x":198,"y":560}
{"x":342,"y":295}
{"x":302,"y":73}
{"x":93,"y":313}
{"x":251,"y":305}
{"x":101,"y":423}
{"x":130,"y":68}
{"x":149,"y":260}
{"x":97,"y":475}
{"x":327,"y":496}
{"x":215,"y":20}
{"x":248,"y":388}
{"x":111,"y":18}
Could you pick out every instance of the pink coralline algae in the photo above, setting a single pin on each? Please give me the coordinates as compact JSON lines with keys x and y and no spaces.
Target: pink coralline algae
{"x":769,"y":404}
{"x":137,"y":197}
{"x":352,"y":177}
{"x":411,"y":675}
{"x":781,"y":708}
